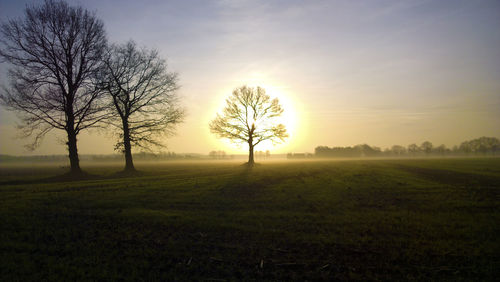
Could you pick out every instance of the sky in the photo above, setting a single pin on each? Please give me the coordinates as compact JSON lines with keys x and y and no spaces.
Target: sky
{"x":347,"y":72}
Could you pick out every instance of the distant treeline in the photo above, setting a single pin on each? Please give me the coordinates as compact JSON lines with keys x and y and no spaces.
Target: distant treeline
{"x":38,"y":158}
{"x":222,"y":155}
{"x":481,"y":146}
{"x":144,"y":156}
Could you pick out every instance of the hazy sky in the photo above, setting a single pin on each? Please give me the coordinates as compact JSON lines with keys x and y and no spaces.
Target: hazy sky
{"x":349,"y":72}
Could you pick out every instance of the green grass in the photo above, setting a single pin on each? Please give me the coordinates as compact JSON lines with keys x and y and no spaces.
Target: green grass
{"x":320,"y":220}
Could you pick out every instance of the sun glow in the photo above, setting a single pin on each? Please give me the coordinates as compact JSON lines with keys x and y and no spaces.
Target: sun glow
{"x":289,"y":118}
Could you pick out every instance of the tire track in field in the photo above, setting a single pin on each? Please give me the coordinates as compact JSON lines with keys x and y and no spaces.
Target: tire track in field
{"x":483,"y":186}
{"x":451,"y":177}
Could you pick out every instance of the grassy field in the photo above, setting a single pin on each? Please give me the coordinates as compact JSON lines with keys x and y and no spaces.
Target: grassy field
{"x":217,"y":221}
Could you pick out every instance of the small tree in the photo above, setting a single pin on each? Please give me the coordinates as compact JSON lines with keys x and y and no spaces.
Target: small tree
{"x":249,"y":117}
{"x":441,"y":149}
{"x":142,"y":93}
{"x":55,"y":52}
{"x":413,"y":149}
{"x":398,"y":150}
{"x":426,"y":147}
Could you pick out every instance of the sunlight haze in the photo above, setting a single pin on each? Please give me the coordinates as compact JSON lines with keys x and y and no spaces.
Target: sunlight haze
{"x":345,"y":72}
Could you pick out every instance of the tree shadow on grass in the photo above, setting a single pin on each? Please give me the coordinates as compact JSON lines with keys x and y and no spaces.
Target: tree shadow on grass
{"x":127,"y":173}
{"x":243,"y":184}
{"x":75,"y":177}
{"x":66,"y":177}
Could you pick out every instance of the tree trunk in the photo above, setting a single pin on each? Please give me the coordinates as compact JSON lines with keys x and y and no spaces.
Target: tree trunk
{"x":127,"y":148}
{"x":251,"y":161}
{"x":71,"y":131}
{"x":73,"y":151}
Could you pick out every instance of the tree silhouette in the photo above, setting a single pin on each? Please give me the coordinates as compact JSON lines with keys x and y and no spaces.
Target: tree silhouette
{"x":413,"y":149}
{"x":481,"y":145}
{"x":398,"y":150}
{"x":441,"y":149}
{"x":426,"y":147}
{"x":55,"y":52}
{"x":249,"y":117}
{"x":143,"y":95}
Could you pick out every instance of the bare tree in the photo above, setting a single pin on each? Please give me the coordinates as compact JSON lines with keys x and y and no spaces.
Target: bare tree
{"x":54,"y":52}
{"x":413,"y":149}
{"x":441,"y":149}
{"x":426,"y":147}
{"x":249,"y":117}
{"x":143,"y":94}
{"x":398,"y":150}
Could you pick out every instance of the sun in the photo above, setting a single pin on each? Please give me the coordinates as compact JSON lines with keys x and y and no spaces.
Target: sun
{"x":289,"y":118}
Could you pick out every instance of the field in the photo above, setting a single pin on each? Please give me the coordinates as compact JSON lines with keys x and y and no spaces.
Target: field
{"x":422,"y":219}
